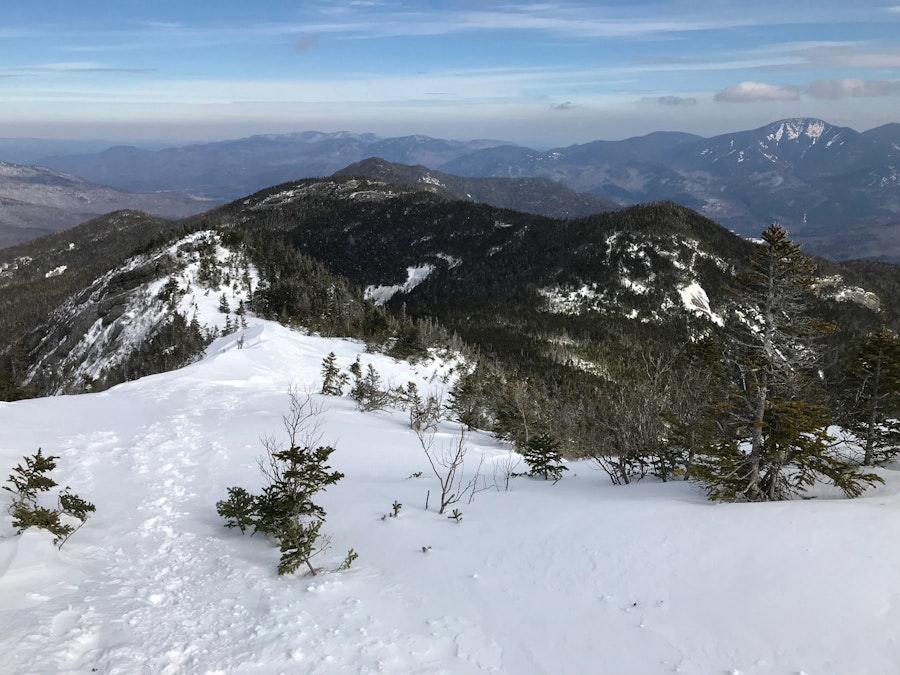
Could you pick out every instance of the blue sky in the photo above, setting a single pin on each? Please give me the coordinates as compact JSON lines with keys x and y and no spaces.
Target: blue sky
{"x":540,"y":73}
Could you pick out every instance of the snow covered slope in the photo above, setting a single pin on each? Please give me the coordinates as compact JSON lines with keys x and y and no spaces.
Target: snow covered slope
{"x":577,"y":577}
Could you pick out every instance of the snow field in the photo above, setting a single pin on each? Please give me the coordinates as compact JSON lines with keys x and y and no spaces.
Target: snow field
{"x":577,"y":577}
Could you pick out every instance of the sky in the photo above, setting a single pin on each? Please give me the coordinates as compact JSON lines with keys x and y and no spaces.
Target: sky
{"x":544,"y":73}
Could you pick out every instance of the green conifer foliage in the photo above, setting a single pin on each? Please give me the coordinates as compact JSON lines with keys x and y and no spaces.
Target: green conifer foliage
{"x":333,"y":380}
{"x":543,"y":457}
{"x":285,"y":510}
{"x":872,"y":401}
{"x":775,"y":443}
{"x":27,"y":484}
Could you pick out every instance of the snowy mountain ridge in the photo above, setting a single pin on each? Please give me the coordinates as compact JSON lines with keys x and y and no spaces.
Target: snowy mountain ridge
{"x":155,"y":583}
{"x":104,"y":325}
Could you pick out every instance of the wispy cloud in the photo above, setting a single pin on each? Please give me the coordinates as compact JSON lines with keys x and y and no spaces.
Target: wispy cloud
{"x":751,"y":92}
{"x":565,"y":105}
{"x":853,"y":88}
{"x":670,"y":100}
{"x":568,"y":19}
{"x":848,"y":56}
{"x":72,"y":67}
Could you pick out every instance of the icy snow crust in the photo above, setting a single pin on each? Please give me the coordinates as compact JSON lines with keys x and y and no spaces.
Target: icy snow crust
{"x":577,"y":577}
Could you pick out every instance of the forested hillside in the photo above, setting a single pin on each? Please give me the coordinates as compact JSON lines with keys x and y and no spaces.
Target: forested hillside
{"x":619,"y":336}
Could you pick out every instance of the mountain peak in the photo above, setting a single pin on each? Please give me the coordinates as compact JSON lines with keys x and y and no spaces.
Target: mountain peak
{"x":795,"y":128}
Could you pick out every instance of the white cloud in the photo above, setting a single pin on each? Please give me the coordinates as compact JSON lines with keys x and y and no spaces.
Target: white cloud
{"x":749,"y":92}
{"x":852,"y":88}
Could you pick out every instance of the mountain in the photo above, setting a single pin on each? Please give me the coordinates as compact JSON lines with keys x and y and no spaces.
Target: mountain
{"x":509,"y":327}
{"x":226,"y":170}
{"x":424,"y":149}
{"x":888,"y":134}
{"x":36,"y":201}
{"x":572,"y":308}
{"x":837,"y":191}
{"x":29,"y":151}
{"x":530,"y":195}
{"x":601,"y":167}
{"x":511,"y":284}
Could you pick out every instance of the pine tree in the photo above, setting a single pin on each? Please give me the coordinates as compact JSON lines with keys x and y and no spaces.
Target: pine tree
{"x":872,"y":400}
{"x":367,"y":389}
{"x":285,"y":509}
{"x":543,"y":457}
{"x":333,"y":380}
{"x":776,"y":443}
{"x":28,"y":483}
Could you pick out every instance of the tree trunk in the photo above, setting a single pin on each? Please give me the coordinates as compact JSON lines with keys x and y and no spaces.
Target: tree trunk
{"x":869,"y":458}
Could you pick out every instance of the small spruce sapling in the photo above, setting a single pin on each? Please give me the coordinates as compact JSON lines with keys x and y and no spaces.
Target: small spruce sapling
{"x":424,"y":413}
{"x":349,"y":559}
{"x":367,"y":389}
{"x":28,"y":483}
{"x":333,"y":380}
{"x":285,"y":510}
{"x":543,"y":457}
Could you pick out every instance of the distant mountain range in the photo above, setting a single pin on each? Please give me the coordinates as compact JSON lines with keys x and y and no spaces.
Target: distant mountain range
{"x":228,"y":169}
{"x":836,"y":190}
{"x":529,"y":195}
{"x":35,"y":201}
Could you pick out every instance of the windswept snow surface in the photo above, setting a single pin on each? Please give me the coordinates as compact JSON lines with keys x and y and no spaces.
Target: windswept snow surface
{"x":577,"y":577}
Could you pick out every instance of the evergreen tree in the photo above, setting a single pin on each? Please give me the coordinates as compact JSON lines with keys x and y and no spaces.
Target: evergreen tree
{"x":470,"y":399}
{"x":872,"y":400}
{"x":776,"y":443}
{"x":543,"y":456}
{"x":367,"y":389}
{"x":333,"y":380}
{"x":27,"y":484}
{"x":285,"y":509}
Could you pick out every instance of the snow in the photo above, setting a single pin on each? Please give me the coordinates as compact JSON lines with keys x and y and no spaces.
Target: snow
{"x":414,"y":276}
{"x":56,"y":271}
{"x":567,"y":300}
{"x":793,"y":129}
{"x":634,"y":286}
{"x":696,"y":300}
{"x":107,"y":343}
{"x":452,"y":262}
{"x":431,"y":180}
{"x":577,"y":577}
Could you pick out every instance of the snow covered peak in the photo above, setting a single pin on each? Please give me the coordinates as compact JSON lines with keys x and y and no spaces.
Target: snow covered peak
{"x":793,"y":129}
